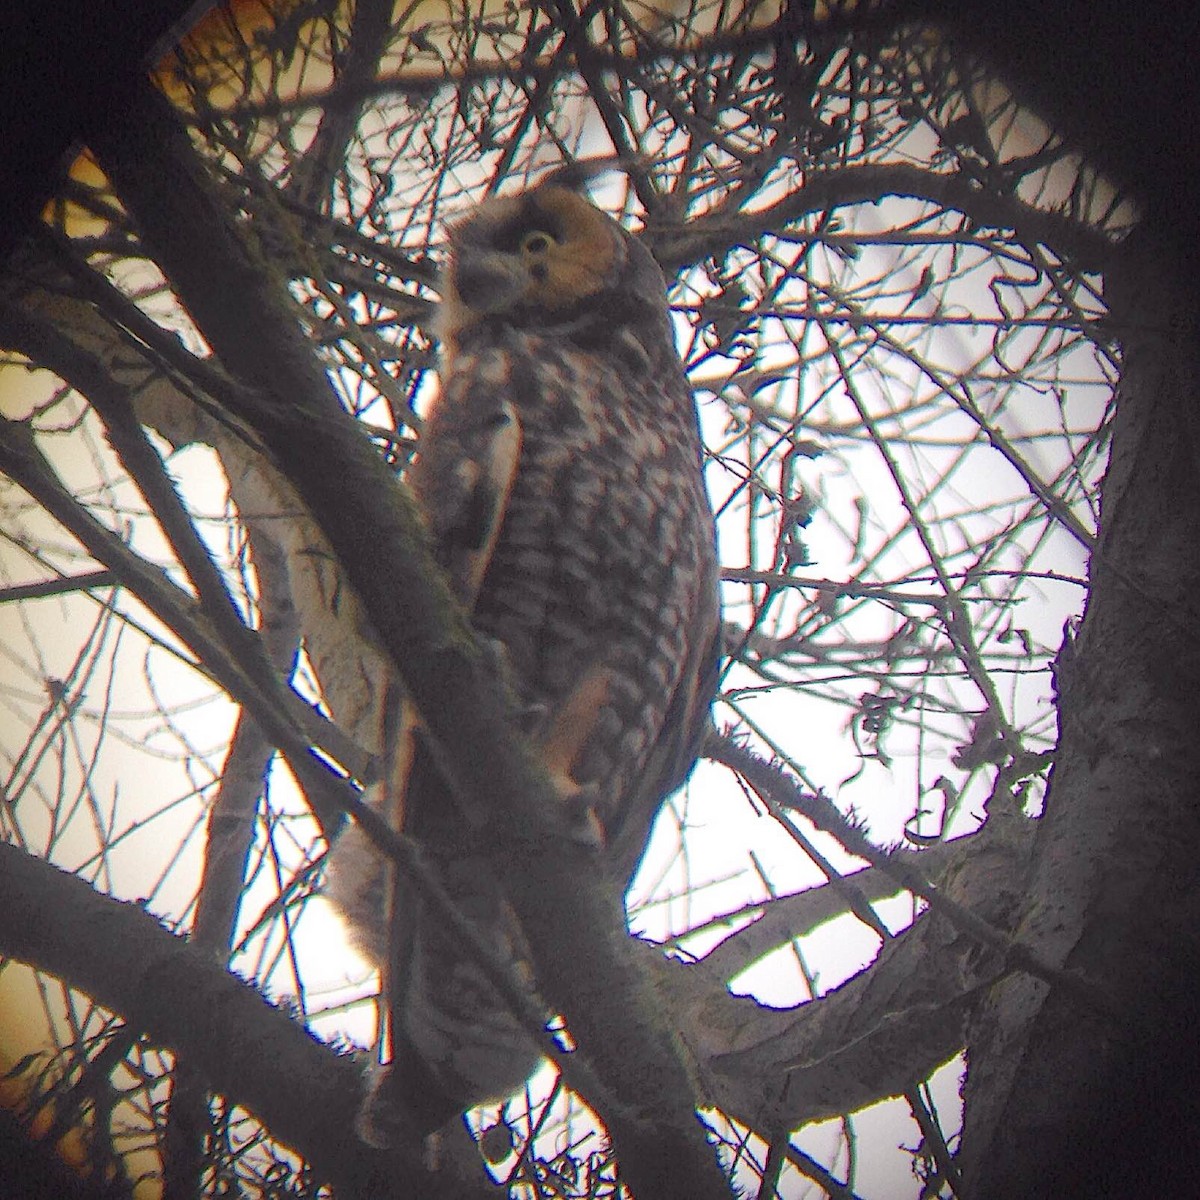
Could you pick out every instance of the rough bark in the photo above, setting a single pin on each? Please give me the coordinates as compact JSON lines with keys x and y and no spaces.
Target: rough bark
{"x":1056,"y":1098}
{"x":120,"y":955}
{"x":561,"y":894}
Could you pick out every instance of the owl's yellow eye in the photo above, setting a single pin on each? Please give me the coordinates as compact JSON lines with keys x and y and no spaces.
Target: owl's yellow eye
{"x":537,"y":241}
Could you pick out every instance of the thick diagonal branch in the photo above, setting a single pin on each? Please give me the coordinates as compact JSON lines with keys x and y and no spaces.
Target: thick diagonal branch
{"x":570,"y":909}
{"x":250,"y":1052}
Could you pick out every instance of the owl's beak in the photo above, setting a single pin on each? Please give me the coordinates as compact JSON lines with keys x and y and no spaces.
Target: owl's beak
{"x":490,"y":281}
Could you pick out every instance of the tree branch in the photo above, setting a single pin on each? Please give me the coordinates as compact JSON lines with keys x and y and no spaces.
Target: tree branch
{"x":785,"y":918}
{"x":896,"y":1021}
{"x":231,"y":825}
{"x":569,"y":908}
{"x":714,"y":234}
{"x":251,"y":1053}
{"x":370,"y":30}
{"x":767,"y":779}
{"x":62,"y":586}
{"x":23,"y":462}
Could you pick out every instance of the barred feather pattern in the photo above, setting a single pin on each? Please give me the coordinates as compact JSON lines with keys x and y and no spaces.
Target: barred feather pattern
{"x":605,"y":558}
{"x":560,"y":474}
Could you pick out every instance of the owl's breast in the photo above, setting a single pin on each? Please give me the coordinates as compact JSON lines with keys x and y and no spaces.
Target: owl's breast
{"x":606,"y":550}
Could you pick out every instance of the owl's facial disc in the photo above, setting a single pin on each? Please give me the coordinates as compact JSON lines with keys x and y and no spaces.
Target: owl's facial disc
{"x":540,"y":253}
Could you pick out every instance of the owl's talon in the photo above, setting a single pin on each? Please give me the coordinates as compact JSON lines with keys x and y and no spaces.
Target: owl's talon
{"x":377,"y":1122}
{"x":531,"y":718}
{"x":528,"y":717}
{"x":583,"y":822}
{"x":496,"y":657}
{"x":384,"y":1122}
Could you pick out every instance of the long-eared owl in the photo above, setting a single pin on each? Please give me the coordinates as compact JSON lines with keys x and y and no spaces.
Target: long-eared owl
{"x":560,"y":475}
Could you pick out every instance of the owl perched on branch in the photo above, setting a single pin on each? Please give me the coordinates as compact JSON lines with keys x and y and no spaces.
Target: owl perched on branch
{"x":560,"y":475}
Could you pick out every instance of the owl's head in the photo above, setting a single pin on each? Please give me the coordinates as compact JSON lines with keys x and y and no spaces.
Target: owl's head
{"x":546,"y":259}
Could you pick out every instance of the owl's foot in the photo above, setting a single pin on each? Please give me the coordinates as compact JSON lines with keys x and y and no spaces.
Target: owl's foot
{"x":388,"y":1118}
{"x":583,"y":820}
{"x":529,"y":718}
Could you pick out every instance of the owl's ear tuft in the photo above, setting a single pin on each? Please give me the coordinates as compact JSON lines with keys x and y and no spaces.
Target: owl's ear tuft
{"x":575,"y":176}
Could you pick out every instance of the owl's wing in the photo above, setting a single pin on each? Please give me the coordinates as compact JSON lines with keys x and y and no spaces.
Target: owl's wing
{"x":451,"y":1047}
{"x":673,"y":755}
{"x":464,"y":483}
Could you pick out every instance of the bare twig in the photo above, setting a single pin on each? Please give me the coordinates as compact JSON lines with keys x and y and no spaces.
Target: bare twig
{"x":764,"y":777}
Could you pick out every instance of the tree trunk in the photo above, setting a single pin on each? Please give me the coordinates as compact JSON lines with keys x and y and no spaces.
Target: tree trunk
{"x":1061,"y":1102}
